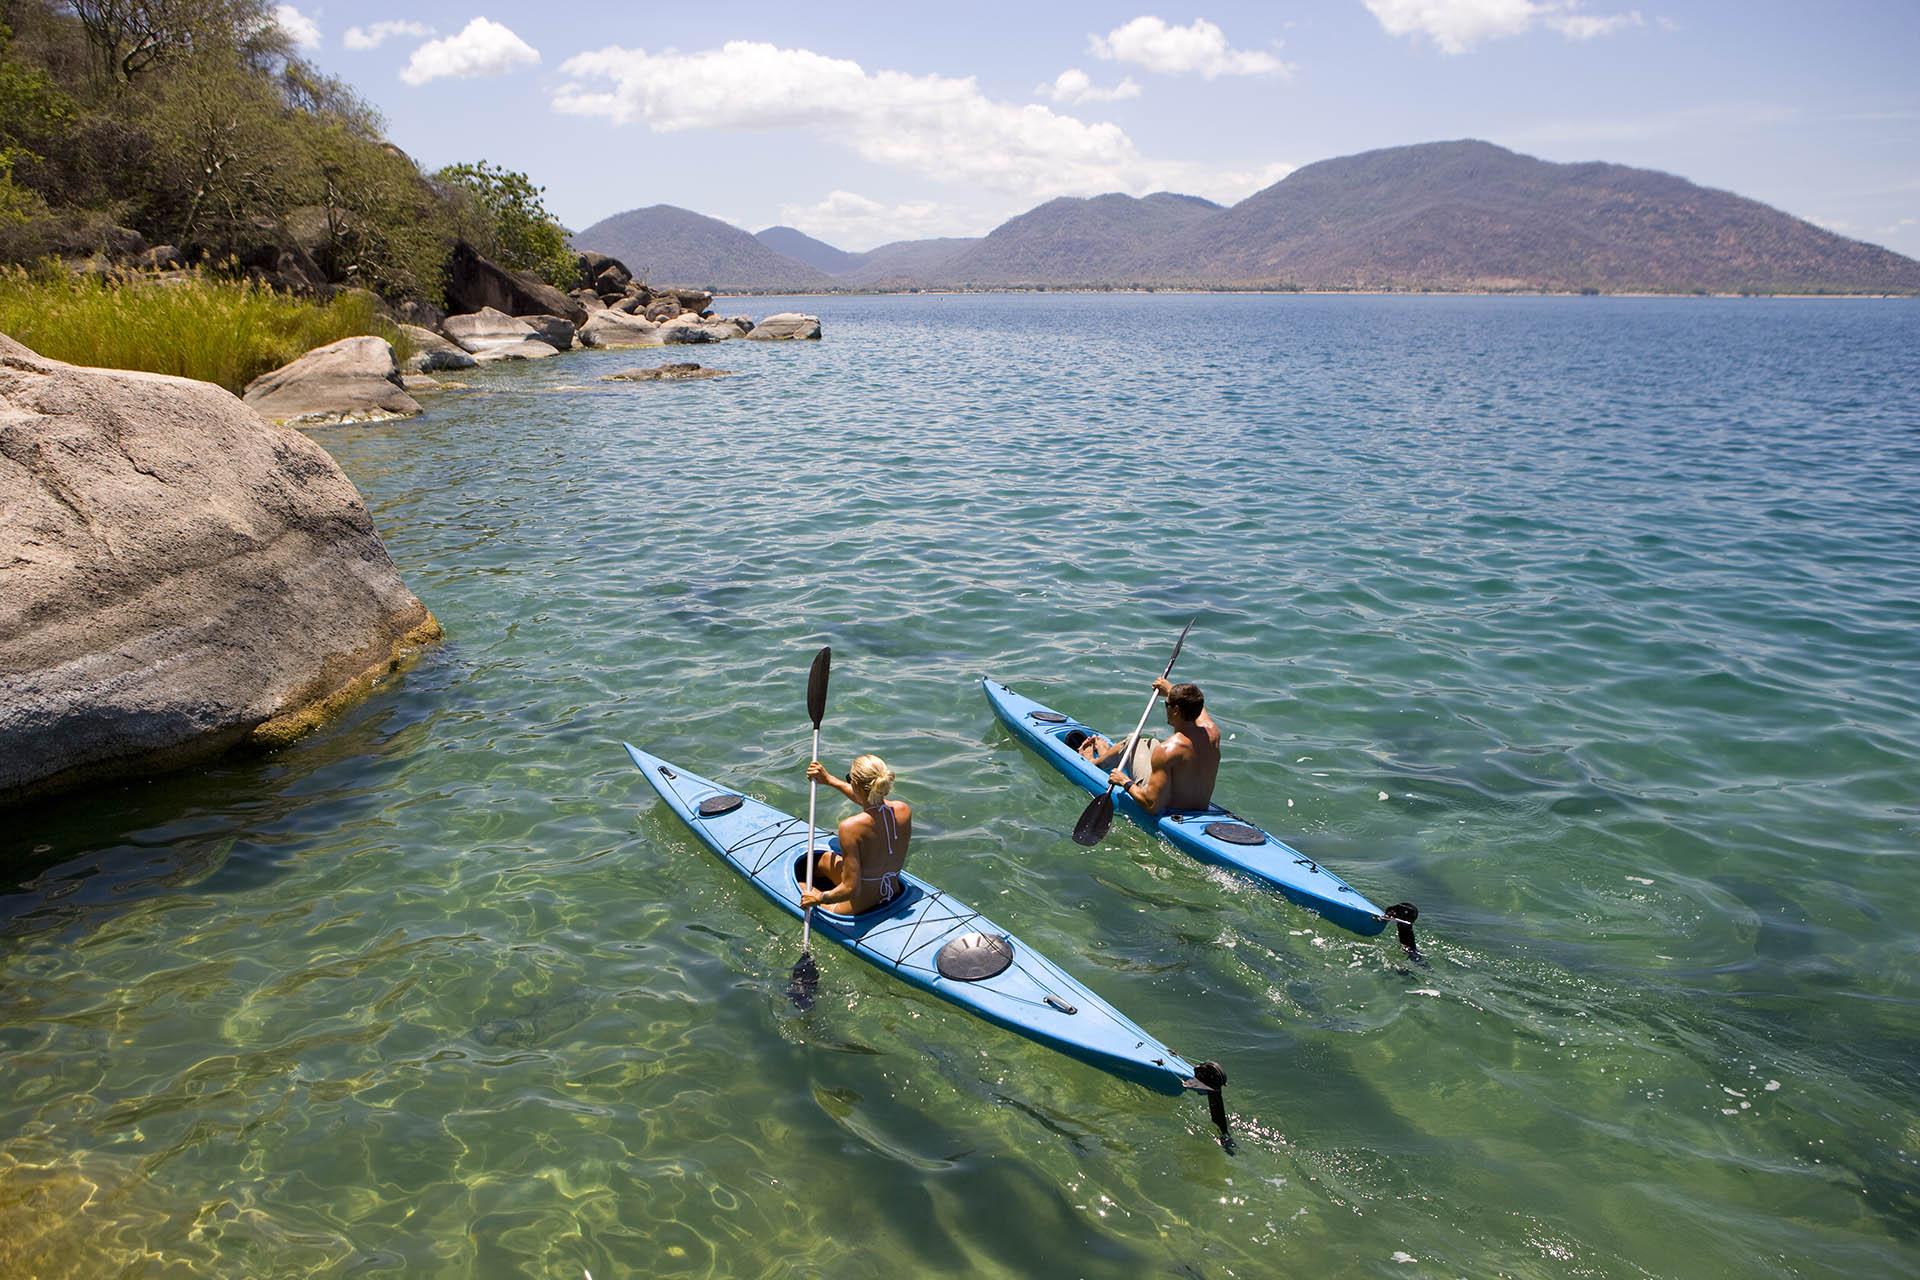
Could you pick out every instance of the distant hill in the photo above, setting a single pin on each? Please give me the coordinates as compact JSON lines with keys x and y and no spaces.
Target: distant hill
{"x":906,"y":263}
{"x":1080,"y":241}
{"x":801,"y":247}
{"x":1440,"y":215}
{"x":1469,"y":215}
{"x":665,"y":244}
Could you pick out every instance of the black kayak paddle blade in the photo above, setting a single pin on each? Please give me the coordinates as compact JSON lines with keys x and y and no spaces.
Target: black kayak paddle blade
{"x":804,"y":982}
{"x":817,"y":685}
{"x":1096,"y":821}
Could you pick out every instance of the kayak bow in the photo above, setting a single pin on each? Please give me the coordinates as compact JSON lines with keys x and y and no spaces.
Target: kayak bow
{"x":1212,"y":835}
{"x":931,"y":940}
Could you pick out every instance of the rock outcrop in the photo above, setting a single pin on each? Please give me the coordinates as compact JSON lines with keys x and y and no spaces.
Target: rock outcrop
{"x":181,"y":577}
{"x":475,"y":284}
{"x":352,"y":380}
{"x":431,"y":352}
{"x":788,"y":324}
{"x":617,"y":329}
{"x":489,"y":335}
{"x":552,"y":330}
{"x":683,"y":371}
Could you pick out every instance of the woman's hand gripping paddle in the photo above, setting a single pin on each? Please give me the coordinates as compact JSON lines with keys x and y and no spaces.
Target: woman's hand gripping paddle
{"x":1098,"y":818}
{"x":806,"y":974}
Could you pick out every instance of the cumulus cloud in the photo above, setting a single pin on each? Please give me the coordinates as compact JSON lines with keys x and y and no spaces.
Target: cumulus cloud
{"x":298,"y":27}
{"x":845,"y":218}
{"x":483,"y":48}
{"x":1151,"y":43}
{"x":1001,"y":157}
{"x":374,"y":36}
{"x":1455,"y":26}
{"x":939,"y":126}
{"x":1075,"y":85}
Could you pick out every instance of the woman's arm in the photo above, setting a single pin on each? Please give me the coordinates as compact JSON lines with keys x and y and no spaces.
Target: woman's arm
{"x":818,"y":772}
{"x":849,"y":872}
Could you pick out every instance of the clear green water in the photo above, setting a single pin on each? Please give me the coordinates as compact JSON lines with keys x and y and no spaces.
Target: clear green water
{"x":1617,"y":601}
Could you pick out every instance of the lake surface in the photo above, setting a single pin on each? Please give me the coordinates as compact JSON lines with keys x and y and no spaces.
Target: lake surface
{"x":1592,"y":626}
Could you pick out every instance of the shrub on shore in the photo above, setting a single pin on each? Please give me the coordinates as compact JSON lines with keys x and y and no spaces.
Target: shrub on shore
{"x":196,"y":326}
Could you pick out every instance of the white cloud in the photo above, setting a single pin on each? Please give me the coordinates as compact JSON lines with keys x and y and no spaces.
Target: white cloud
{"x":845,"y":218}
{"x":299,"y":28}
{"x":1151,"y":43}
{"x":374,"y":36}
{"x":1455,"y":26}
{"x":483,"y":48}
{"x":938,"y":126}
{"x":999,"y":158}
{"x":1075,"y":85}
{"x":1231,"y":186}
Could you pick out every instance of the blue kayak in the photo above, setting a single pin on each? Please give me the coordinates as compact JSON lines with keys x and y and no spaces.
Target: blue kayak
{"x":927,"y":938}
{"x":1212,"y":834}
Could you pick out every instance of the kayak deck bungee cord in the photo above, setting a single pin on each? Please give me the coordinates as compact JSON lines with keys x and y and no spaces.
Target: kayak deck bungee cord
{"x":932,"y":940}
{"x":1213,"y":835}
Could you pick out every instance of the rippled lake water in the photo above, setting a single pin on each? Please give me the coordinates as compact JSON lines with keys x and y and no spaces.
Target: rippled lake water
{"x":1591,"y":626}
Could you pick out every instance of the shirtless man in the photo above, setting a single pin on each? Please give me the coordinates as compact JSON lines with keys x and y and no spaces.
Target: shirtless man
{"x":1179,"y":771}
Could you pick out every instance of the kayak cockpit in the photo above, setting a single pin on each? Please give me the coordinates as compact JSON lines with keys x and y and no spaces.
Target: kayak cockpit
{"x":909,"y":894}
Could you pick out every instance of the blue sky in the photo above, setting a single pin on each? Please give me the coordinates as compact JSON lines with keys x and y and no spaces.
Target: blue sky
{"x":862,"y":123}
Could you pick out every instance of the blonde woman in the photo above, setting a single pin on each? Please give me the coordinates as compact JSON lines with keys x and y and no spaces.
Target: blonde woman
{"x":873,"y":843}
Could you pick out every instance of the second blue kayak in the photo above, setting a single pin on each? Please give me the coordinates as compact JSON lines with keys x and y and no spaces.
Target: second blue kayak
{"x":1212,"y":834}
{"x":927,"y":938}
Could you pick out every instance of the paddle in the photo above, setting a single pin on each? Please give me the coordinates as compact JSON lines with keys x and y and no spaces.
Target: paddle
{"x":806,"y":974}
{"x":1098,"y":818}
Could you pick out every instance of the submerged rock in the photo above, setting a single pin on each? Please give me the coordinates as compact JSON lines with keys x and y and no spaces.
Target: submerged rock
{"x":352,"y":380}
{"x":683,"y":371}
{"x":788,"y":324}
{"x":182,"y":577}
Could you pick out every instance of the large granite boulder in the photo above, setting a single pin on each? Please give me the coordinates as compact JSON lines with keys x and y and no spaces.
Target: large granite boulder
{"x":589,"y":299}
{"x":616,"y":329}
{"x":352,"y":380}
{"x":431,"y":352}
{"x":603,"y":273}
{"x":788,"y":324}
{"x":181,"y":577}
{"x":660,"y":310}
{"x":552,"y":330}
{"x":475,"y":284}
{"x":489,"y":335}
{"x":692,"y":329}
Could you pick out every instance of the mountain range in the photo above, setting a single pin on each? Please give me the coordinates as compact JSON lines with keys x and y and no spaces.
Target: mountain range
{"x":1436,"y":216}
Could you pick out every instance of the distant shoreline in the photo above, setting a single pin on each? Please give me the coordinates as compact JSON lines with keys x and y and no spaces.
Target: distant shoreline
{"x":1096,"y":291}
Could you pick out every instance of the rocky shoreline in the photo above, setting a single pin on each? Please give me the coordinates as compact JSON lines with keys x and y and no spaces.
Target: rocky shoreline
{"x":504,"y":316}
{"x":186,"y":574}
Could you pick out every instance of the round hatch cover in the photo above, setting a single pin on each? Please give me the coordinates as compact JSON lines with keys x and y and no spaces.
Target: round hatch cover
{"x":1235,"y":833}
{"x":1047,"y":717}
{"x":973,"y":956}
{"x":714,"y":806}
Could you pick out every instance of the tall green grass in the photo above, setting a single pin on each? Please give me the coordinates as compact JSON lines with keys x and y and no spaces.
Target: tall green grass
{"x":196,"y":326}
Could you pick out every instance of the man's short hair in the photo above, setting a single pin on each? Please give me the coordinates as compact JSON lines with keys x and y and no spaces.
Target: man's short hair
{"x":1187,"y":701}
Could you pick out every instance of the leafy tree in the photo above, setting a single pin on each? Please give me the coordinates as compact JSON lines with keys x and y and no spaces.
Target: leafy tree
{"x":502,"y":214}
{"x":132,"y":36}
{"x":384,"y":227}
